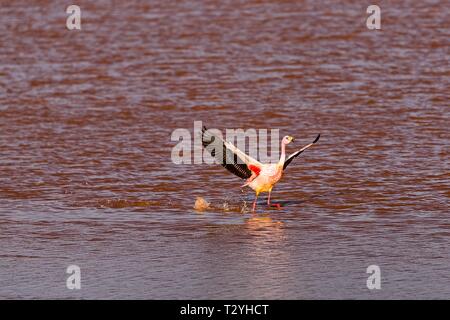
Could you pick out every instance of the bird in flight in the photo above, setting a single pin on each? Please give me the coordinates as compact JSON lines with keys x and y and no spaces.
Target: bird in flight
{"x":260,"y":177}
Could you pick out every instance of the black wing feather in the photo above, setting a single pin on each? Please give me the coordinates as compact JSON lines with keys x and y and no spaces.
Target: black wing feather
{"x":296,"y":154}
{"x":227,"y":158}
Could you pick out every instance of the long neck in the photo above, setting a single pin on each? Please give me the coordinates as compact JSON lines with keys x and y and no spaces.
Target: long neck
{"x":283,"y":154}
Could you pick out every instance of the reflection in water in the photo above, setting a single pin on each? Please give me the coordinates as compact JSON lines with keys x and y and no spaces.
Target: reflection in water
{"x":85,"y":171}
{"x":264,"y":223}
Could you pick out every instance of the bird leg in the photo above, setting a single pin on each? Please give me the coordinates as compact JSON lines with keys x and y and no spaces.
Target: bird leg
{"x":254,"y":203}
{"x":272,"y":204}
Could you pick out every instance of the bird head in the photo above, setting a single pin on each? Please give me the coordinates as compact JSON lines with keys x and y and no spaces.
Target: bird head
{"x":288,"y":139}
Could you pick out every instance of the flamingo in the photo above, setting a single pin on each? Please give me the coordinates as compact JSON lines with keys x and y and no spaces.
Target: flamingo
{"x":260,"y":177}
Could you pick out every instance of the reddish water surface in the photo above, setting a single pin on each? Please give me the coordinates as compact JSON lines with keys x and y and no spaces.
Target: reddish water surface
{"x":86,"y":176}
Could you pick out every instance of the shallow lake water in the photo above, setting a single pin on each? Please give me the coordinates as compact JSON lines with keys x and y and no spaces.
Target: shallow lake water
{"x":86,"y":176}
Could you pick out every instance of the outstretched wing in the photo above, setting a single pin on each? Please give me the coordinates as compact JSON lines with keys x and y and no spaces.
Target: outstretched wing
{"x":295,"y":154}
{"x":230,"y":157}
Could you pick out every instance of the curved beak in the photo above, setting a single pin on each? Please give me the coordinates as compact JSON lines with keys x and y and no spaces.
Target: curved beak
{"x":293,"y":139}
